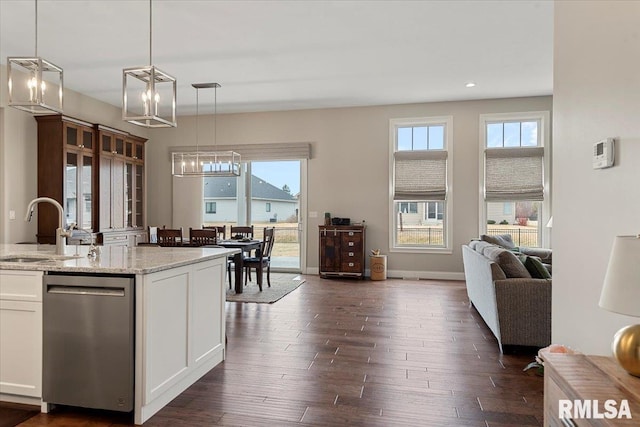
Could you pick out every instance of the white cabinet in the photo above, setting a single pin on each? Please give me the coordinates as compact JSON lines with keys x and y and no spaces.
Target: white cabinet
{"x":20,"y":335}
{"x":181,"y":311}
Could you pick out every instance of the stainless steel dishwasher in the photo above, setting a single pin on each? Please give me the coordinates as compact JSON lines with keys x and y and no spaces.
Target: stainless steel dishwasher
{"x":88,"y":341}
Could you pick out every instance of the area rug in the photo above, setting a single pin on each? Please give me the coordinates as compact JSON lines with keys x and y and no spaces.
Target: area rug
{"x":281,"y":285}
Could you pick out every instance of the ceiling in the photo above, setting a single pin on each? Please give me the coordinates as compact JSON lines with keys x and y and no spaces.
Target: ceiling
{"x":288,"y":55}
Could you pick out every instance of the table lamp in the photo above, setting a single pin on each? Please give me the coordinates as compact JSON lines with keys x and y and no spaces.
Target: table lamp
{"x":621,"y":294}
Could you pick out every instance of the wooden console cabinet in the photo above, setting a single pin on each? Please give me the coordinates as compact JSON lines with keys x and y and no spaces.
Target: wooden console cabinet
{"x":588,"y":378}
{"x":97,"y":173}
{"x":342,"y":250}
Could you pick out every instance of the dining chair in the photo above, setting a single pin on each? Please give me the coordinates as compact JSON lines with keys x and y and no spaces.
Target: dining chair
{"x":243,"y":231}
{"x":201,"y":237}
{"x":220,"y":229}
{"x":170,"y":236}
{"x":262,"y":258}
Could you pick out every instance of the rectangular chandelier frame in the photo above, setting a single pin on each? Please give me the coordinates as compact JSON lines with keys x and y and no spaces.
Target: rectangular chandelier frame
{"x":205,"y":163}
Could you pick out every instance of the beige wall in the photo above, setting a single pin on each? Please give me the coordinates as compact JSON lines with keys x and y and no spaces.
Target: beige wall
{"x":348,"y":174}
{"x":18,"y":146}
{"x":596,"y":95}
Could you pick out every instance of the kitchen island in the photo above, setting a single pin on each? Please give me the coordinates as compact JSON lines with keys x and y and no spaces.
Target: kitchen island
{"x":179,"y":301}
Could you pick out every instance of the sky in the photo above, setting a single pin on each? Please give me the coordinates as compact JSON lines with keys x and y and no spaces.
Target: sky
{"x":279,"y":173}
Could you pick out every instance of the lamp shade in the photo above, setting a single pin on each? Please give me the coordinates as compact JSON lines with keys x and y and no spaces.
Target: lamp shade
{"x":621,"y":289}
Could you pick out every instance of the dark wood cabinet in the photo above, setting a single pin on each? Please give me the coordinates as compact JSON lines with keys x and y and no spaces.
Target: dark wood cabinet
{"x":96,"y":172}
{"x":66,"y":173}
{"x":111,"y":182}
{"x":342,"y":250}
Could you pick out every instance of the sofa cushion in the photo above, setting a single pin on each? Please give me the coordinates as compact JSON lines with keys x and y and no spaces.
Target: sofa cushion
{"x":535,"y":267}
{"x":503,"y":240}
{"x":508,"y":262}
{"x":479,"y":245}
{"x":545,"y":255}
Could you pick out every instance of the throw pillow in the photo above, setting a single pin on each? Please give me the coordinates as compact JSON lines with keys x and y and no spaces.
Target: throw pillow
{"x":508,"y":262}
{"x":503,"y":240}
{"x":536,"y":268}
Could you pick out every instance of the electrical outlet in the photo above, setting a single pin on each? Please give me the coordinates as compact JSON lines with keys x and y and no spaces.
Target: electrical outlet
{"x":12,"y":214}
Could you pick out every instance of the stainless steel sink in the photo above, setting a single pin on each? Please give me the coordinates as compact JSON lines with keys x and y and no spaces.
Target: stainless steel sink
{"x":22,"y":259}
{"x":35,"y":259}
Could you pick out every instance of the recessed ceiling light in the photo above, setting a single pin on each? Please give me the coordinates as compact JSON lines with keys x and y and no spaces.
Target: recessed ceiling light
{"x":470,"y":84}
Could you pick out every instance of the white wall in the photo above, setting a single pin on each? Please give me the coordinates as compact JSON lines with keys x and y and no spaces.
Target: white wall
{"x":348,"y":173}
{"x":596,"y":95}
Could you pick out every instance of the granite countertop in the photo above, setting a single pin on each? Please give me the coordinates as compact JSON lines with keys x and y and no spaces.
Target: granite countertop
{"x":112,"y":259}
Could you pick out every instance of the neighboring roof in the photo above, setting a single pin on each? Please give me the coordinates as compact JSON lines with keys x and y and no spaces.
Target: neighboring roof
{"x":226,"y":187}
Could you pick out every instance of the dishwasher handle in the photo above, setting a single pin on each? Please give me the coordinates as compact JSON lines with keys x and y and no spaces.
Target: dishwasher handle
{"x":86,"y":290}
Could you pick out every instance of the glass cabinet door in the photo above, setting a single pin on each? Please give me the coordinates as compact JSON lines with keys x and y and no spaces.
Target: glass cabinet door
{"x":71,"y":188}
{"x":71,"y":135}
{"x":128,"y":193}
{"x":86,"y":187}
{"x":139,"y":195}
{"x":87,"y":138}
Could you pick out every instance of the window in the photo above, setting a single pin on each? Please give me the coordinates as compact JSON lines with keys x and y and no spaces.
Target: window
{"x":410,"y":207}
{"x":268,"y":206}
{"x":515,"y":176}
{"x":420,"y":200}
{"x":210,"y":207}
{"x":434,"y":211}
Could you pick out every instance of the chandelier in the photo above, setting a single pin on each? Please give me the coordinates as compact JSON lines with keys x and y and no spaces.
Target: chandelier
{"x":148,"y":93}
{"x":205,"y":163}
{"x":35,"y":84}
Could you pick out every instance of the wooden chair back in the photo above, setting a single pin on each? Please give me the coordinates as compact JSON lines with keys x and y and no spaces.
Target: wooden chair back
{"x":170,"y":236}
{"x":201,"y":237}
{"x":246,"y":231}
{"x":221,"y":230}
{"x":267,"y":242}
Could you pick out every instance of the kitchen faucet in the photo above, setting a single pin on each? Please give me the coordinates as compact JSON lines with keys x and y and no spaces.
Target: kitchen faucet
{"x":61,"y":233}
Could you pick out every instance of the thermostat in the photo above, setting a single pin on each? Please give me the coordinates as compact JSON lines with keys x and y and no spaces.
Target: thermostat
{"x":603,"y":154}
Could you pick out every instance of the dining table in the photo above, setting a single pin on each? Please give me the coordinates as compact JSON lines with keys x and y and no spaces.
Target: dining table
{"x":244,"y":245}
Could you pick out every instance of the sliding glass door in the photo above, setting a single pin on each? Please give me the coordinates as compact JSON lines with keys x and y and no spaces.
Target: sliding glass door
{"x":267,"y":194}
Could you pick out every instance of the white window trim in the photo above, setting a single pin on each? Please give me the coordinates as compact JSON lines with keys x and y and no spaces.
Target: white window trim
{"x":544,"y":234}
{"x":448,"y":146}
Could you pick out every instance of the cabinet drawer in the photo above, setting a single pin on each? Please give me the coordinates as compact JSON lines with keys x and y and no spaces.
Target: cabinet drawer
{"x":351,"y":255}
{"x":354,"y":266}
{"x":353,"y":237}
{"x":18,"y":285}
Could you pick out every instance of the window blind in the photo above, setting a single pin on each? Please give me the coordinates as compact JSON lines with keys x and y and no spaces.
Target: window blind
{"x":514,"y":174}
{"x":420,"y":175}
{"x":258,"y":152}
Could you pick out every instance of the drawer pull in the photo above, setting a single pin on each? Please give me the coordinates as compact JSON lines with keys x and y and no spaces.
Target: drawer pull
{"x":351,"y":233}
{"x":351,"y":243}
{"x":351,"y":254}
{"x":351,"y":264}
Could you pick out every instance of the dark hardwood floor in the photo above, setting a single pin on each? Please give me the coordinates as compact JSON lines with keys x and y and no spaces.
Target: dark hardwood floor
{"x":351,"y":352}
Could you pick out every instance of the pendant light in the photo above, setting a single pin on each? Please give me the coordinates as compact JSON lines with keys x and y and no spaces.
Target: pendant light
{"x":148,"y":93}
{"x":206,"y":163}
{"x":35,"y":84}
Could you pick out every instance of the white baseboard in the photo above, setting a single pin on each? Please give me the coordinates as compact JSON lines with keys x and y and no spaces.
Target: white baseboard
{"x":425,"y":275}
{"x":405,"y":274}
